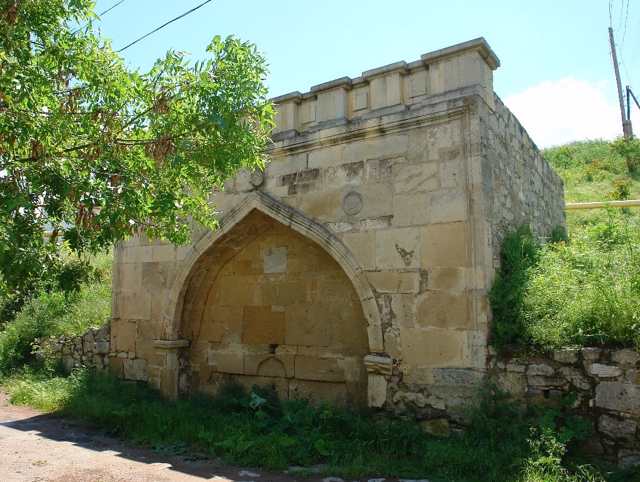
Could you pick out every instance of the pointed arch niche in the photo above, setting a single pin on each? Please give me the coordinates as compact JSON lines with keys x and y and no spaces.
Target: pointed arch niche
{"x":273,"y":298}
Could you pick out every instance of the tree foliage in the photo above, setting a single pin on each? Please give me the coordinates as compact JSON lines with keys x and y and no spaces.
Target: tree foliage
{"x":93,"y":152}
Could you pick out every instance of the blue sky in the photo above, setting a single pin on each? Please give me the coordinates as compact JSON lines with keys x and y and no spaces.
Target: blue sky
{"x":555,"y":55}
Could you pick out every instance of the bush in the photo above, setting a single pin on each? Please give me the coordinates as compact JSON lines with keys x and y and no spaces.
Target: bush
{"x":577,"y":293}
{"x":591,"y":169}
{"x":67,"y":275}
{"x":519,"y":253}
{"x":35,"y":321}
{"x":587,"y":291}
{"x":629,"y":150}
{"x":87,"y":303}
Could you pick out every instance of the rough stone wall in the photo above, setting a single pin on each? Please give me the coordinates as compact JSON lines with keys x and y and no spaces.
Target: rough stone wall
{"x":91,"y":349}
{"x":606,"y":386}
{"x":95,"y":350}
{"x":519,"y":185}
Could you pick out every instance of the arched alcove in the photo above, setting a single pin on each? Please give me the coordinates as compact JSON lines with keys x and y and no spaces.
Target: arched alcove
{"x":266,"y":305}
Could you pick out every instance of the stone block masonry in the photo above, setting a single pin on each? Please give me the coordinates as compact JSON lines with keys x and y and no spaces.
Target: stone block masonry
{"x":355,"y":268}
{"x":91,"y":349}
{"x":603,"y":384}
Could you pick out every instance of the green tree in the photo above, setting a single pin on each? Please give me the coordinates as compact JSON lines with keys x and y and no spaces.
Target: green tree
{"x":94,"y":152}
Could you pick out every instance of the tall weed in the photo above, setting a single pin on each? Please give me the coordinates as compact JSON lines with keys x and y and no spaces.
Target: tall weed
{"x":519,"y":254}
{"x":587,"y":291}
{"x":256,"y":429}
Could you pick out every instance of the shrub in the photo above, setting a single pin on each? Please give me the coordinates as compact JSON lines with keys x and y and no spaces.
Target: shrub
{"x":629,"y":150}
{"x":55,"y":313}
{"x":579,"y":155}
{"x":65,"y":276}
{"x":36,"y":320}
{"x":593,"y":169}
{"x":582,"y":292}
{"x":546,"y":461}
{"x":519,"y":253}
{"x":587,"y":292}
{"x":621,"y":189}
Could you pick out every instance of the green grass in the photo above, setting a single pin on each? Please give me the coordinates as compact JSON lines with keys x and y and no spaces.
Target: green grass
{"x":256,"y":429}
{"x":585,"y":292}
{"x":590,"y":170}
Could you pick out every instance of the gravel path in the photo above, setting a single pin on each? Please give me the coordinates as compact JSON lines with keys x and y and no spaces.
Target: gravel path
{"x":39,"y":447}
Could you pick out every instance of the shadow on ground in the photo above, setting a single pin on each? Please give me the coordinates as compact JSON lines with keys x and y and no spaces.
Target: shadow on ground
{"x":48,"y":447}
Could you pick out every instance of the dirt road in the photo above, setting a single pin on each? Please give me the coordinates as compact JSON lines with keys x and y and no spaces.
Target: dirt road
{"x":38,"y":447}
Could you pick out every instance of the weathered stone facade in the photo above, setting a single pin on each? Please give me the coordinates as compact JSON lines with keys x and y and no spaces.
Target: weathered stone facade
{"x":356,"y":266}
{"x":519,"y":184}
{"x":277,"y":289}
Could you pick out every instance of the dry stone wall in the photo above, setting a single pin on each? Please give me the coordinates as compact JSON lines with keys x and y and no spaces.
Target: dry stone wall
{"x":605,"y":387}
{"x":94,"y":350}
{"x":91,"y":349}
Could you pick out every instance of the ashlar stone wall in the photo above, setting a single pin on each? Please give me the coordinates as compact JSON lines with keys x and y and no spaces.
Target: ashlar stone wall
{"x":520,"y":186}
{"x":356,"y":266}
{"x":280,"y":312}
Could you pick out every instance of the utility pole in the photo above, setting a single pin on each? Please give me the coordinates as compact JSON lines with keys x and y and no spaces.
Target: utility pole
{"x":627,"y":130}
{"x":630,"y":93}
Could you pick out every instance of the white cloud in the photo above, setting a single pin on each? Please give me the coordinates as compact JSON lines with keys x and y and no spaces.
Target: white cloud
{"x":559,"y":111}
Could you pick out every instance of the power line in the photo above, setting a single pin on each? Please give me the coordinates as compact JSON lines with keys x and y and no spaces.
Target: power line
{"x":610,"y":14}
{"x":626,"y":71}
{"x":622,"y":20}
{"x":621,"y":14}
{"x":626,"y":22}
{"x":163,"y":25}
{"x":104,"y":12}
{"x":626,"y":123}
{"x":110,"y":8}
{"x":624,"y":34}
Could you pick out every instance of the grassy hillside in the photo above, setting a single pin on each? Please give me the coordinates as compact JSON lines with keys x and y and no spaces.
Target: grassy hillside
{"x":594,"y":171}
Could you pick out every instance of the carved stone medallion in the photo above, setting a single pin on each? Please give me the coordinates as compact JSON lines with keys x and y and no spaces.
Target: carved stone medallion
{"x":352,"y":203}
